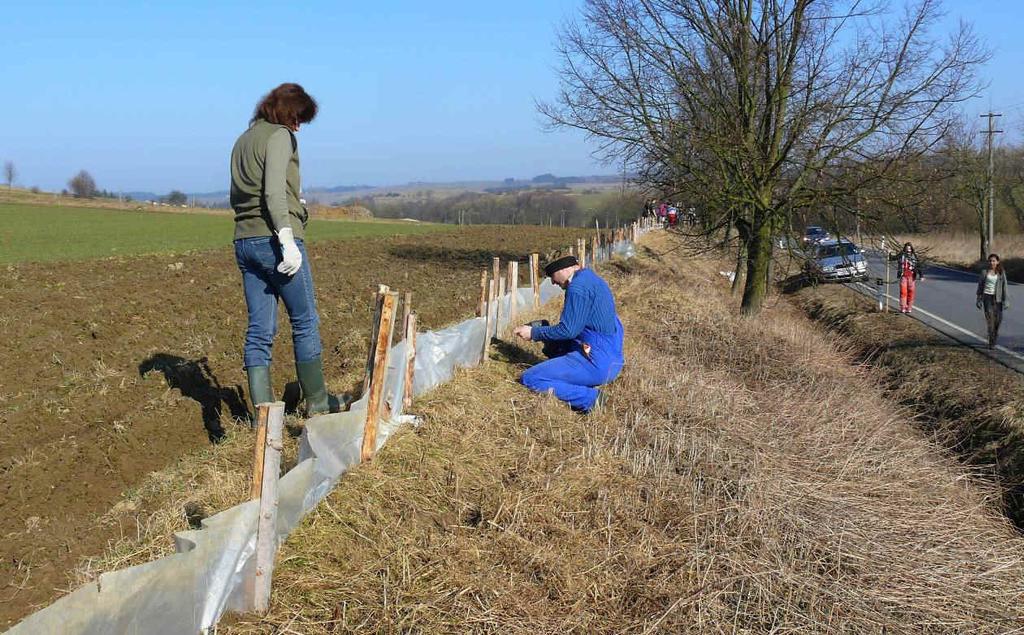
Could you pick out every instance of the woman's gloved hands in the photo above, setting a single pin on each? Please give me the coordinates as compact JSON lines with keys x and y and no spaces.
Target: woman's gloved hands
{"x":291,"y":257}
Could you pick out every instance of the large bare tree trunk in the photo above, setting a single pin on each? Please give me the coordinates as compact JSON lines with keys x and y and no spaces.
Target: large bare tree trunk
{"x":759,"y":254}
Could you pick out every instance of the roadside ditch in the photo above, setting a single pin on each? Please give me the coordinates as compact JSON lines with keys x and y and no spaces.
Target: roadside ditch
{"x":969,"y":404}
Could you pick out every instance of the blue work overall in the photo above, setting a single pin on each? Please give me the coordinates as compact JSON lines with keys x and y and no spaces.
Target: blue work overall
{"x":573,"y":375}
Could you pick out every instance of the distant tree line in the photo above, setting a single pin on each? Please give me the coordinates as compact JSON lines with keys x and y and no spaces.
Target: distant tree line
{"x":532,"y":207}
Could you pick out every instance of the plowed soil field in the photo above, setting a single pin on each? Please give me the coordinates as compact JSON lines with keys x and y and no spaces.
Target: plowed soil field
{"x":114,"y":368}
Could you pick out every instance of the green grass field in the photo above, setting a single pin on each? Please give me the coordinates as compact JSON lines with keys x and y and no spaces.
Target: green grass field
{"x":35,"y":233}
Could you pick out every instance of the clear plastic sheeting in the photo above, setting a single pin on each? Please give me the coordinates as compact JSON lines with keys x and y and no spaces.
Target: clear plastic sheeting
{"x":187,"y":592}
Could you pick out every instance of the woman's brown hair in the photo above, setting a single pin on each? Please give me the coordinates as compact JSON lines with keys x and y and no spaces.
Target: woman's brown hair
{"x":287,"y":105}
{"x":999,"y":262}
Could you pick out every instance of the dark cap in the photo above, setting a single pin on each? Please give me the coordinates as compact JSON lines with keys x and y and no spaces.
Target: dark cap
{"x":560,"y":263}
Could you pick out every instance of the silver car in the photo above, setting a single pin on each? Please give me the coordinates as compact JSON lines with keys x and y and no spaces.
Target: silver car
{"x":836,"y":260}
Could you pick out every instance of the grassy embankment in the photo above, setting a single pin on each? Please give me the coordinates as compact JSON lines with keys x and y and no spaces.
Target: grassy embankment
{"x":32,"y":233}
{"x":748,"y":476}
{"x":970,"y":404}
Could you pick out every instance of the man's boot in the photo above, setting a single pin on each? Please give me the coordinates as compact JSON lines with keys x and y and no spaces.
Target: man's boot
{"x":314,"y":391}
{"x":259,"y":386}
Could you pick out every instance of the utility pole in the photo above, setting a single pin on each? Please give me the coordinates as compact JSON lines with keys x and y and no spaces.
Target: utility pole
{"x":991,"y":185}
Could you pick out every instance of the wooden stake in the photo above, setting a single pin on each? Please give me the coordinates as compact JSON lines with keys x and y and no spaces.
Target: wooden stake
{"x":582,"y":248}
{"x":262,"y":410}
{"x":594,"y":245}
{"x":535,"y":279}
{"x":483,"y":294}
{"x":406,"y":309}
{"x":496,"y":266}
{"x":382,"y":290}
{"x":410,"y":360}
{"x":375,"y":403}
{"x":266,"y":528}
{"x":513,"y":287}
{"x":489,"y":323}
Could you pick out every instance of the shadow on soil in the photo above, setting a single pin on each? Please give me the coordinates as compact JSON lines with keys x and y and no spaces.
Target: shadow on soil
{"x":512,"y":354}
{"x":194,"y":379}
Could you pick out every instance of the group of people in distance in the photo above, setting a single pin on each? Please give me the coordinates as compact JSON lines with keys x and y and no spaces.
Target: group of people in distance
{"x":669,"y":214}
{"x":270,"y":220}
{"x":991,"y":291}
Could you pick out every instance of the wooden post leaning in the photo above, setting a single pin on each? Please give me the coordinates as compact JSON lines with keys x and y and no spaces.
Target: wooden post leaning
{"x":406,"y":309}
{"x":375,"y":402}
{"x":594,"y":247}
{"x":483,"y":294}
{"x":259,"y":451}
{"x":410,"y":360}
{"x":513,"y":288}
{"x":496,"y":269}
{"x":488,"y":323}
{"x":382,"y":290}
{"x":535,"y":279}
{"x":266,"y":527}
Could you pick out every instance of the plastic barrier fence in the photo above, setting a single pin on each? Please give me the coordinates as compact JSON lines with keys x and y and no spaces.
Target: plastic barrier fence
{"x":187,"y":592}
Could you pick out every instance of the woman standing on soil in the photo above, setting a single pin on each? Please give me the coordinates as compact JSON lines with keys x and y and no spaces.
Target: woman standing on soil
{"x":908,"y":272}
{"x":270,"y":220}
{"x":992,"y":296}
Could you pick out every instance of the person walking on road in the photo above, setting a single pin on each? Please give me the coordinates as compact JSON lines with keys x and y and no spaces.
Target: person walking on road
{"x":908,"y":272}
{"x":992,"y":296}
{"x":270,"y":222}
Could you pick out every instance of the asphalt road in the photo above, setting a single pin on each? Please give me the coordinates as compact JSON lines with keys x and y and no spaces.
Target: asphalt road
{"x":945,"y":301}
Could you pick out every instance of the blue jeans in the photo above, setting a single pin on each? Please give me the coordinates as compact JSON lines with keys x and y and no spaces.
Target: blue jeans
{"x":264,"y":285}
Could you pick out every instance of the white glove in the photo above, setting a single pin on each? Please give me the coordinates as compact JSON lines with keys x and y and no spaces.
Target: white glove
{"x":291,"y":257}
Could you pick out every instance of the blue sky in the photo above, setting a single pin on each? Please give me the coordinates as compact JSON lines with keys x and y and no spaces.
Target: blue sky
{"x":151,"y":97}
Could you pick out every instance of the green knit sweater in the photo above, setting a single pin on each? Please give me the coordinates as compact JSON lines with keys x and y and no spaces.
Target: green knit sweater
{"x":265,"y":182}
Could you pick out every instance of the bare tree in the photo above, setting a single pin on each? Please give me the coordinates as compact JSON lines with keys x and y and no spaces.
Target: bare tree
{"x":82,"y":185}
{"x":763,"y":108}
{"x":10,"y":173}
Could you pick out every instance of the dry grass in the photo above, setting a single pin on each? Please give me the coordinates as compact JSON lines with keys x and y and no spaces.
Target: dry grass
{"x":748,"y":477}
{"x":942,"y":380}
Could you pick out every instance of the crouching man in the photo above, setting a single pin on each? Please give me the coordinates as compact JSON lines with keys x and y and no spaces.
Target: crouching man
{"x":585,"y":346}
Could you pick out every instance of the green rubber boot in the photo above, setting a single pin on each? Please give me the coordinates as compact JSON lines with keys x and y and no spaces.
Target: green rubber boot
{"x":314,"y":391}
{"x":259,"y":386}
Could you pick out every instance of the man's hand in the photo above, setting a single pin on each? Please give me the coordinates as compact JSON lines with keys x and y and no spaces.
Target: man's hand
{"x":524,"y":331}
{"x":291,"y":257}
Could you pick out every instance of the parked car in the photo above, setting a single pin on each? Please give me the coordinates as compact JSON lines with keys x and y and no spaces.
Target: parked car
{"x":836,"y":260}
{"x":814,"y":234}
